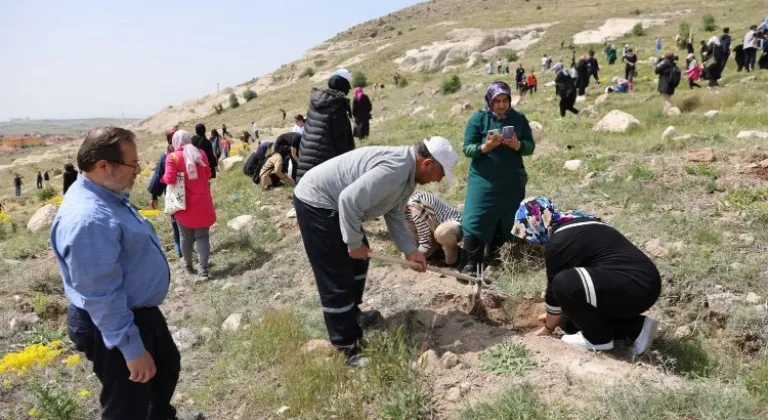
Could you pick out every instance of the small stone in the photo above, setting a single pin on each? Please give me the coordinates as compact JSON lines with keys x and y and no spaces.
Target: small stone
{"x":581,"y":99}
{"x":683,"y":137}
{"x":752,"y":134}
{"x":17,"y":298}
{"x":185,"y":338}
{"x":711,"y":114}
{"x":291,"y":214}
{"x":753,"y":298}
{"x":323,"y":346}
{"x":283,"y":409}
{"x":763,"y":163}
{"x":747,"y":239}
{"x":24,"y":322}
{"x":683,"y":332}
{"x":536,"y":130}
{"x":428,"y":360}
{"x":465,"y":387}
{"x":655,"y":248}
{"x":669,"y":132}
{"x":276,"y":296}
{"x":736,"y":266}
{"x":573,"y":165}
{"x":674,"y":112}
{"x":232,"y":323}
{"x":453,"y":394}
{"x":702,"y":155}
{"x":616,"y":121}
{"x":449,"y":360}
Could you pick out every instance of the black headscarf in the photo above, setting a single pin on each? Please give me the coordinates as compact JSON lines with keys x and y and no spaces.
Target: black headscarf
{"x":339,"y":83}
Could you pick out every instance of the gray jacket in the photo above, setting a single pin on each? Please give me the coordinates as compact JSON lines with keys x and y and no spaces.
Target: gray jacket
{"x":362,"y":185}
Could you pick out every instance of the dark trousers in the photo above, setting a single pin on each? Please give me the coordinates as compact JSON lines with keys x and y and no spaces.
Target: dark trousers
{"x":480,"y":252}
{"x":39,"y":184}
{"x":176,"y":237}
{"x":750,"y":57}
{"x":120,"y":398}
{"x":725,"y":61}
{"x":602,"y":304}
{"x":692,"y":84}
{"x":566,"y":104}
{"x":17,"y":189}
{"x":340,"y":279}
{"x":629,"y":73}
{"x":597,"y":77}
{"x":294,"y":170}
{"x":582,"y":91}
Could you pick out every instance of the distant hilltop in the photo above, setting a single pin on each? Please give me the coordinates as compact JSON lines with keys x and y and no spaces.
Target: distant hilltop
{"x":49,"y":127}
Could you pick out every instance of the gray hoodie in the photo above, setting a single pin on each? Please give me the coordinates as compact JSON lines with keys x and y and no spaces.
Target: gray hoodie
{"x":362,"y":185}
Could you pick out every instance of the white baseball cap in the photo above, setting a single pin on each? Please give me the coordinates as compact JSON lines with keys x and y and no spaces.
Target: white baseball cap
{"x":440,"y":148}
{"x":343,"y":73}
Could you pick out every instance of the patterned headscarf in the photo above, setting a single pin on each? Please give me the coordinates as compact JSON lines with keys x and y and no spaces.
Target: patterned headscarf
{"x":536,"y":215}
{"x":497,"y":88}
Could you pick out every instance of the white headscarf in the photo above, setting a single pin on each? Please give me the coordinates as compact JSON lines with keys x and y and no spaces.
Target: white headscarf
{"x":714,"y":40}
{"x":192,"y":156}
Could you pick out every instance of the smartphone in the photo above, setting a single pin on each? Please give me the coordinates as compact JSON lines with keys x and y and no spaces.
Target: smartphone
{"x":508,"y":132}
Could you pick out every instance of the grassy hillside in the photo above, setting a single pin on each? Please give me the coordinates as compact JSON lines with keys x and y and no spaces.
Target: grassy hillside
{"x":704,"y":224}
{"x":57,"y":127}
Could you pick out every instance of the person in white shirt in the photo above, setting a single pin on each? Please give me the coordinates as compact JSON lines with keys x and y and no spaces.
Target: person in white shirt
{"x":255,"y":130}
{"x":299,"y":126}
{"x":489,"y":68}
{"x":750,"y":49}
{"x":546,"y":63}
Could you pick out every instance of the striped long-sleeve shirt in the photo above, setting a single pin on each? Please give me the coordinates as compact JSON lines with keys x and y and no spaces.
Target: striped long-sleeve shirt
{"x":427,"y":211}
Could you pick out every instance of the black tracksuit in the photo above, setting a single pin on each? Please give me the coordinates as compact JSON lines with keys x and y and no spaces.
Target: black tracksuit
{"x":202,"y":143}
{"x":598,"y":281}
{"x":564,"y":87}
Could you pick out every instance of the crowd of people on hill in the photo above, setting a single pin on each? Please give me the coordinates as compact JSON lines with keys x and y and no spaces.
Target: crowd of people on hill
{"x":598,"y":283}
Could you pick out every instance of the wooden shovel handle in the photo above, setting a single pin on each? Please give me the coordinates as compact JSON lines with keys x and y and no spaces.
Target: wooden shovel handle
{"x":439,"y":270}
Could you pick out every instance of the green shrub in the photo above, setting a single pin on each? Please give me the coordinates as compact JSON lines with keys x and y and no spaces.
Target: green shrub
{"x":233,"y":102}
{"x":308,"y":72}
{"x":684,"y":32}
{"x":249,"y":95}
{"x":507,"y":357}
{"x":638,"y":29}
{"x":450,"y":85}
{"x":757,"y":382}
{"x":519,"y":403}
{"x":709,"y":23}
{"x":53,"y":402}
{"x":46,"y":193}
{"x":402,"y":82}
{"x":511,"y":56}
{"x":640,"y":172}
{"x":359,"y":79}
{"x":637,"y":12}
{"x":702,"y":169}
{"x":598,"y":164}
{"x":218,"y":108}
{"x":690,"y":103}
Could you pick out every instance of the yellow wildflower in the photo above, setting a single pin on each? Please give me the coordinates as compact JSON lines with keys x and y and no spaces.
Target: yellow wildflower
{"x":150,"y":213}
{"x":7,"y":383}
{"x":33,"y":412}
{"x":33,"y":355}
{"x":55,"y":200}
{"x":84,"y":393}
{"x":4,"y":218}
{"x":71,"y":360}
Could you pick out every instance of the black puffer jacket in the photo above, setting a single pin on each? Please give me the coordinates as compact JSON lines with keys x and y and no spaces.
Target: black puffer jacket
{"x":327,"y":130}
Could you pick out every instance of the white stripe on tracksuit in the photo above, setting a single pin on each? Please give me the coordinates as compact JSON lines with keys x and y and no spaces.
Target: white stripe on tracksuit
{"x":589,"y":286}
{"x":339,"y":310}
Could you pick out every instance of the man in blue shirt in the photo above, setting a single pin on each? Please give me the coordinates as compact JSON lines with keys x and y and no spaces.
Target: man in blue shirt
{"x":115,"y":275}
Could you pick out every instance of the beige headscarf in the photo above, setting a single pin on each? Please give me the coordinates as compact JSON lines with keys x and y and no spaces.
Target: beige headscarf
{"x":192,"y":156}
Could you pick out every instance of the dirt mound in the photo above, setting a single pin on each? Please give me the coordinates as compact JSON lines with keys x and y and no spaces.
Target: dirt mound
{"x":495,"y":309}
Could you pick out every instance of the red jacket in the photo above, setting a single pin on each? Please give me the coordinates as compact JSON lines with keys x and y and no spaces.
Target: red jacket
{"x":199,"y":213}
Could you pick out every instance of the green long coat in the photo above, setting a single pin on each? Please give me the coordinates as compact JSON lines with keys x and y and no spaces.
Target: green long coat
{"x":496,"y":181}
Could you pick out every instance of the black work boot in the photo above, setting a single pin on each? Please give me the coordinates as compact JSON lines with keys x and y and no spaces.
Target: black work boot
{"x":367,"y":319}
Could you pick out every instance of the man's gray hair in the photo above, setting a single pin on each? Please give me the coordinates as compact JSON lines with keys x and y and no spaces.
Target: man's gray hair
{"x":103,"y":143}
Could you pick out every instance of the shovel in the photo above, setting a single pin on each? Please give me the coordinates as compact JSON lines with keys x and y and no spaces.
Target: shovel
{"x":439,"y":270}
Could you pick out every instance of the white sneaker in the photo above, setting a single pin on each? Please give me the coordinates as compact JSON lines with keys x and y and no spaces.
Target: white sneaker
{"x":579,"y":340}
{"x":645,"y":339}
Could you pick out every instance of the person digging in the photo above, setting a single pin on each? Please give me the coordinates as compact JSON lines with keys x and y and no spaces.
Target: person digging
{"x":598,"y":282}
{"x":334,"y":199}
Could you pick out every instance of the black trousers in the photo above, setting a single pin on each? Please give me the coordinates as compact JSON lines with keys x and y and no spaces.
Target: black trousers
{"x":120,"y":398}
{"x":566,"y":104}
{"x":340,"y":279}
{"x":602,"y":304}
{"x":478,"y":251}
{"x":582,"y":91}
{"x":597,"y":77}
{"x":692,"y":84}
{"x":629,"y":73}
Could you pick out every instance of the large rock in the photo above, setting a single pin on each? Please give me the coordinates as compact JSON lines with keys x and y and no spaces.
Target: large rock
{"x":711,"y":114}
{"x":232,"y":323}
{"x":753,"y":298}
{"x":428,"y":361}
{"x":241,"y":222}
{"x":669,"y":132}
{"x":616,"y":122}
{"x":537,"y":130}
{"x":752,"y":135}
{"x":230,"y":162}
{"x":573,"y":165}
{"x":43,"y":218}
{"x":674,"y":112}
{"x":702,"y":155}
{"x":23,"y":322}
{"x":449,"y":360}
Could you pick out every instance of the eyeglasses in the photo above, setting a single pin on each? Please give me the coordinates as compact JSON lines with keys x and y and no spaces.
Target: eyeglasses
{"x":136,"y":169}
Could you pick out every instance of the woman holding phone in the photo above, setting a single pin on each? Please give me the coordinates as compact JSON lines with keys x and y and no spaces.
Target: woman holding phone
{"x":496,"y":139}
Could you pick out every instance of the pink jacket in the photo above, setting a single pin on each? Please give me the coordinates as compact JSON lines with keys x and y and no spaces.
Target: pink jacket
{"x":199,"y":213}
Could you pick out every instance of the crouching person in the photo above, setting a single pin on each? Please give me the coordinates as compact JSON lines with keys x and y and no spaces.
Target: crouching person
{"x":272,"y":173}
{"x":598,"y":282}
{"x":433,"y":223}
{"x":332,"y":201}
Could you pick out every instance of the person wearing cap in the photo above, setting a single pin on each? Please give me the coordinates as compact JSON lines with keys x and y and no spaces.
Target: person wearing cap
{"x":327,"y":129}
{"x":497,"y":177}
{"x":334,"y":199}
{"x":598,"y":282}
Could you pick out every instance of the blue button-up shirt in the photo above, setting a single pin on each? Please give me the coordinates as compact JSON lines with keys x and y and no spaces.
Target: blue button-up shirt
{"x":111,"y":261}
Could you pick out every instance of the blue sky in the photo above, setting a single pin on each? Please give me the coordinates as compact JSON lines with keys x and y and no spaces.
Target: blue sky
{"x":80,"y":59}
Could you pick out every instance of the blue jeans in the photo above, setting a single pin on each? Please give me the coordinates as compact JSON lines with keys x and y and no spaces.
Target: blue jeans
{"x":176,"y":238}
